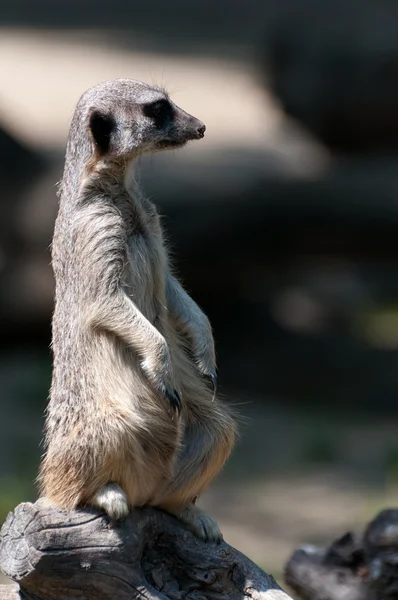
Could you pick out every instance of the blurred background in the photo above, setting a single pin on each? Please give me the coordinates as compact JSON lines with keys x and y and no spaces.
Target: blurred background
{"x":283,"y":222}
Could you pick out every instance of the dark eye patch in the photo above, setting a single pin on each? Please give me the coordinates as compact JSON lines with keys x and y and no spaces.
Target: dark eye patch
{"x":160,"y":111}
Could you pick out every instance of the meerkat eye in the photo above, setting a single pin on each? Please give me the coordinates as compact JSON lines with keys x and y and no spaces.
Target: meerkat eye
{"x":102,"y":126}
{"x":160,"y":111}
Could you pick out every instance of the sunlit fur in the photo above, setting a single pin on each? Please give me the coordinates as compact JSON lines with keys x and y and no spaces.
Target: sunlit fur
{"x":124,"y":330}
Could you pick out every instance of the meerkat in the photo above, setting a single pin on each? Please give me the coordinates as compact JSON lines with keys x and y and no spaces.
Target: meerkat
{"x":131,"y":418}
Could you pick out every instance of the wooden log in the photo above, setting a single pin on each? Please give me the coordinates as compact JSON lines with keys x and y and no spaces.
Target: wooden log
{"x":315,"y":573}
{"x":58,"y":555}
{"x":9,"y":592}
{"x":353,"y":567}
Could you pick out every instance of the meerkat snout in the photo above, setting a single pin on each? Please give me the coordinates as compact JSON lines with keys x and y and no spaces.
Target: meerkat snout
{"x":178,"y":127}
{"x":201,"y":130}
{"x":194,"y":130}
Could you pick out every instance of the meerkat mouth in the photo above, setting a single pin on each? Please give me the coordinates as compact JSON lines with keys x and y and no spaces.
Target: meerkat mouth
{"x":164,"y":144}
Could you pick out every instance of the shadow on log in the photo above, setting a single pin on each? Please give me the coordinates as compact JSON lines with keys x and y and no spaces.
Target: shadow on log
{"x":54,"y":554}
{"x":353,"y":567}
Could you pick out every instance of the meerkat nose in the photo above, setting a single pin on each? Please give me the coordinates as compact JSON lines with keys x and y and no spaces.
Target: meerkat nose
{"x":201,"y":130}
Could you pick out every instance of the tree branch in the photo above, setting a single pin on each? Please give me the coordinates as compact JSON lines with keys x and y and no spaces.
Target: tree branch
{"x":57,"y":555}
{"x":353,"y":567}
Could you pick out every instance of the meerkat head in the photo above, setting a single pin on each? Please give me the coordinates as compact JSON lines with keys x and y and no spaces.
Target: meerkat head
{"x":125,"y":118}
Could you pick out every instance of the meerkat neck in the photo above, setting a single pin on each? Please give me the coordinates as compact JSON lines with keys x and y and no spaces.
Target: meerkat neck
{"x":131,"y":182}
{"x":77,"y":156}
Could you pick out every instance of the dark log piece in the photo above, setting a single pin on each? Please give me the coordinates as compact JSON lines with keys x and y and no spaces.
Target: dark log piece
{"x":316,"y":573}
{"x":59,"y":555}
{"x":353,"y":567}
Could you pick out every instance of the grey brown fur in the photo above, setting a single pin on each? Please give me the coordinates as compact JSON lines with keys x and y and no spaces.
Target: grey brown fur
{"x":130,"y":346}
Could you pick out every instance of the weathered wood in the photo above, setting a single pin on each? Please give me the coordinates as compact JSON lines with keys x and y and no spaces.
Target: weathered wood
{"x":9,"y":592}
{"x":313,"y":576}
{"x":57,"y":555}
{"x":353,"y":567}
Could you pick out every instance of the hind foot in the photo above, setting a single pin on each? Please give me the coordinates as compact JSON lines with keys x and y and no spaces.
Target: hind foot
{"x":199,"y":522}
{"x":113,"y":501}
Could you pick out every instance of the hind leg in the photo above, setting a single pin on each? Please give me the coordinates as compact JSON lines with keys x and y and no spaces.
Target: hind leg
{"x":112,"y":499}
{"x":207,"y":443}
{"x":204,"y":526}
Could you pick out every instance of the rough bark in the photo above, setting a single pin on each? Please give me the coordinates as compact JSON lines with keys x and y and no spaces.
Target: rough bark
{"x":9,"y":592}
{"x":363,"y":567}
{"x":56,"y":555}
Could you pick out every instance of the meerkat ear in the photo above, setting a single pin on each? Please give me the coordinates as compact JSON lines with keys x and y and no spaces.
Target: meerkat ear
{"x":101,"y":127}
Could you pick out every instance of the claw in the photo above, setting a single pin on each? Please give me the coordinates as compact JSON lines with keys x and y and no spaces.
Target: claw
{"x":174,"y":399}
{"x":213,"y":379}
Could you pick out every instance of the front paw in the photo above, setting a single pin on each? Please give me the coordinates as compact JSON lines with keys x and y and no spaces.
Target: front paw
{"x":200,"y":523}
{"x":206,"y":528}
{"x":211,"y":375}
{"x":214,"y":384}
{"x":204,"y":354}
{"x":158,"y":369}
{"x":175,"y":400}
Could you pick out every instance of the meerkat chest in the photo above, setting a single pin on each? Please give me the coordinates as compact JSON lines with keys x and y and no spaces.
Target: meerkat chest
{"x":146,"y":269}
